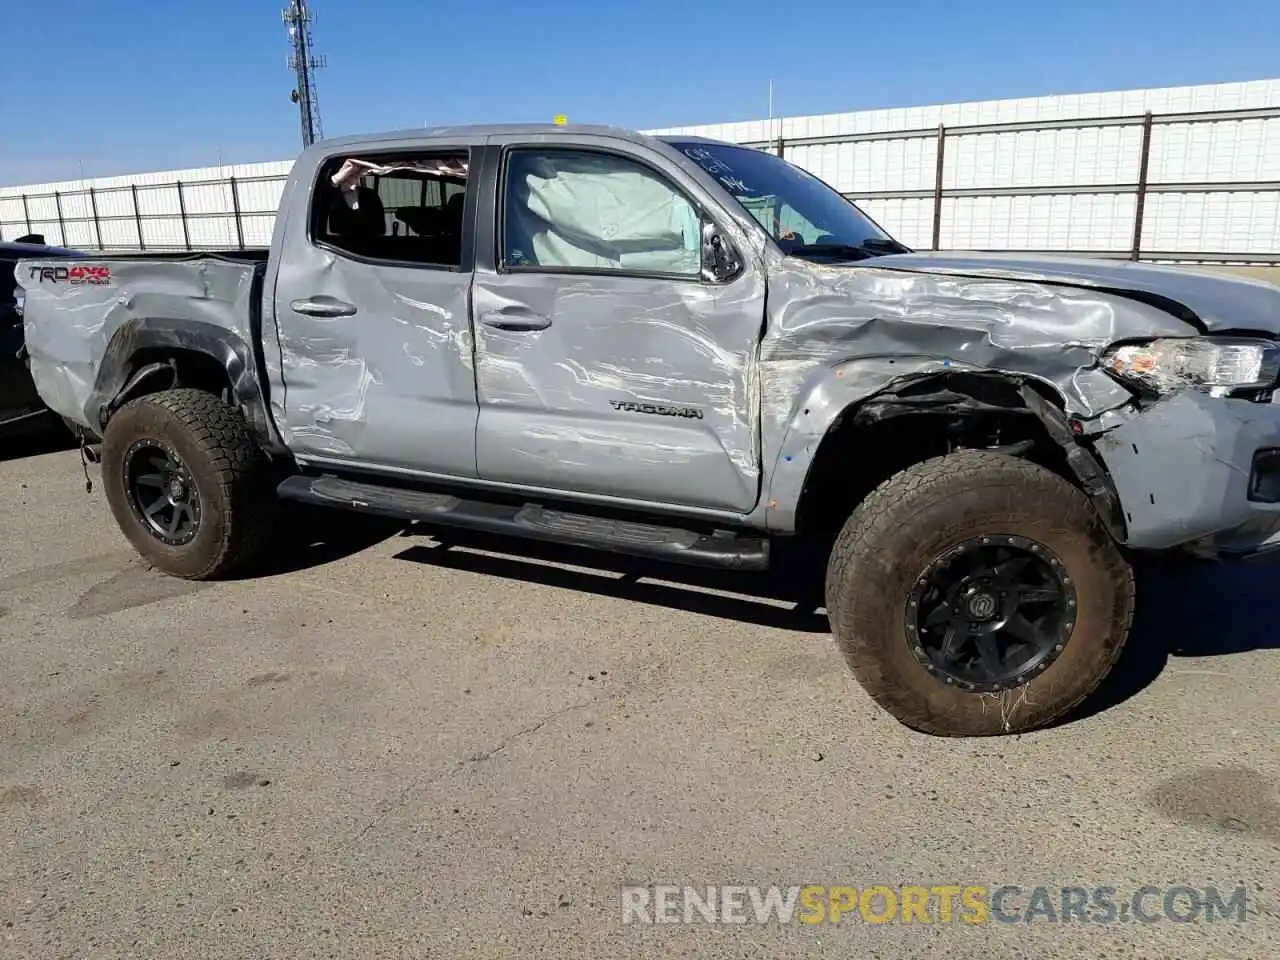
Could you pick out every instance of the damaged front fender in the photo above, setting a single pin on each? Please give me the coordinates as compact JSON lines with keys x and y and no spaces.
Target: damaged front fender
{"x":963,"y":397}
{"x":839,"y":335}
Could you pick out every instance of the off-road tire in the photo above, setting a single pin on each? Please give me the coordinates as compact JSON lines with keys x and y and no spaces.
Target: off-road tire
{"x":230,"y":472}
{"x":914,"y":517}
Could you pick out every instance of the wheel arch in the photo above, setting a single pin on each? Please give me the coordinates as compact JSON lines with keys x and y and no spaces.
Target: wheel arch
{"x":918,"y":415}
{"x":149,"y":354}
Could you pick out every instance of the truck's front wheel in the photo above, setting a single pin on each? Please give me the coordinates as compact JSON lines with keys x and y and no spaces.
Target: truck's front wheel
{"x":187,"y":483}
{"x":978,"y":594}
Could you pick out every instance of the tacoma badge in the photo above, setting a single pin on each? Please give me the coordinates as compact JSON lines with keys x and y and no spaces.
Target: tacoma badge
{"x":660,"y":409}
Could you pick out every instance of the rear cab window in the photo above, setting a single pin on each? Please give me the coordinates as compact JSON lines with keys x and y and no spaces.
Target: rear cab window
{"x":405,"y":208}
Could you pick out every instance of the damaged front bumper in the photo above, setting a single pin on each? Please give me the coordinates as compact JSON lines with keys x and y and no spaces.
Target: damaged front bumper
{"x":1198,"y":472}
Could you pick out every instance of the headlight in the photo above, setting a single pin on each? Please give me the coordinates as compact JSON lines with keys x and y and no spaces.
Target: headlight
{"x":1224,"y":363}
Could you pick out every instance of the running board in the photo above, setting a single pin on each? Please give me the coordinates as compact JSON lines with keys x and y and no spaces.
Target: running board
{"x":531,"y":520}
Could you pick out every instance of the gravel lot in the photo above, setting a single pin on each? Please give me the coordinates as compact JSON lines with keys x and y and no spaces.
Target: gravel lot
{"x":390,"y":746}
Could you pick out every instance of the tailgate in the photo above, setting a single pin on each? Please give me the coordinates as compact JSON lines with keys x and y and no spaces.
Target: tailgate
{"x":81,"y":312}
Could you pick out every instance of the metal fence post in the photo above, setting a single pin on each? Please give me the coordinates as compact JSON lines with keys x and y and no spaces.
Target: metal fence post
{"x":26,"y":212}
{"x":1139,"y":208}
{"x":182,"y":213}
{"x":235,"y":206}
{"x":62,"y":226}
{"x":937,"y":186}
{"x":97,"y":225}
{"x":137,"y":217}
{"x":782,"y":152}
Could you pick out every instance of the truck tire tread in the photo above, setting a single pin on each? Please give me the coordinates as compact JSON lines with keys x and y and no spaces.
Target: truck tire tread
{"x":883,"y":524}
{"x":231,"y":471}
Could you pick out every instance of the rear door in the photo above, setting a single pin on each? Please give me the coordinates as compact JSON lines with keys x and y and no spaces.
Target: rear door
{"x":372,"y":308}
{"x":606,"y":364}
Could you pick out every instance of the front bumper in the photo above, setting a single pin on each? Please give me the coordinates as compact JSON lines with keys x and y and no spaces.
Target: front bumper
{"x":1188,"y":470}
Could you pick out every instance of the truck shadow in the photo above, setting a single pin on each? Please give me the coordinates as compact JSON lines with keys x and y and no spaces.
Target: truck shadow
{"x":1197,"y":610}
{"x":306,"y":537}
{"x":787,"y":597}
{"x":52,"y":439}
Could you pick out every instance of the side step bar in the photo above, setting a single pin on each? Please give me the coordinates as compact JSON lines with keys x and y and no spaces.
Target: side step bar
{"x":531,"y":520}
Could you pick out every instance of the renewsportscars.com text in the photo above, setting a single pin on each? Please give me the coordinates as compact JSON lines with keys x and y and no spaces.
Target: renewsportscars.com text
{"x":934,"y":904}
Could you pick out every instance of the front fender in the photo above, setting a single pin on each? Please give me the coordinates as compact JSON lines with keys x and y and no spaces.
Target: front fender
{"x":822,"y":399}
{"x":831,"y":394}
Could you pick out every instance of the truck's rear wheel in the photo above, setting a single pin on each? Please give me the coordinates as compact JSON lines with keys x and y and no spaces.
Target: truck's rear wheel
{"x":187,"y":483}
{"x":978,"y":594}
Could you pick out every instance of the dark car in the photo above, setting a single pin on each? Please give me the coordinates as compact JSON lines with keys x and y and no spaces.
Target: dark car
{"x":21,"y":409}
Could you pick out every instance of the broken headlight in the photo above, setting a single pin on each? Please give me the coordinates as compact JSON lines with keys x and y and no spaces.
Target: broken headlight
{"x":1219,"y":365}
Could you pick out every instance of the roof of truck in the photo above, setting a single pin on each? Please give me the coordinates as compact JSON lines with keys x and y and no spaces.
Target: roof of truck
{"x":479,"y":131}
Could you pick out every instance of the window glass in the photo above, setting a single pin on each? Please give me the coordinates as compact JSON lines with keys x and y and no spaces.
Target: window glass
{"x":405,"y":208}
{"x":804,"y":215}
{"x":597,"y":211}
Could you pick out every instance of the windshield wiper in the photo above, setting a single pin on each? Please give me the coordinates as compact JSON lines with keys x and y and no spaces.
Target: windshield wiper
{"x":871,"y":247}
{"x":836,"y":251}
{"x":885,"y":243}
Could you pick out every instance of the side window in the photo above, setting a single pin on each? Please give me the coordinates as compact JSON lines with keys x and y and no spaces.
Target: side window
{"x":580,"y":209}
{"x":405,"y":208}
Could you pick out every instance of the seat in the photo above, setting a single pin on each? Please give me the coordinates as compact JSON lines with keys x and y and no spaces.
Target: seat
{"x":360,"y":228}
{"x":423,"y":221}
{"x":453,"y":212}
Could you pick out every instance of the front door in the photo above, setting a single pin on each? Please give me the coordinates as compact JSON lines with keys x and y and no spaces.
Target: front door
{"x":372,"y":311}
{"x":605,"y":364}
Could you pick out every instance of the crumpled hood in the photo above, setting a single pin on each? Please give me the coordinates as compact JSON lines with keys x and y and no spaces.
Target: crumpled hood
{"x":1219,"y":302}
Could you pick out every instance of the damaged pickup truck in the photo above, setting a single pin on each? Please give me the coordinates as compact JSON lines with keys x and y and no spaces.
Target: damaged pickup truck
{"x":686,"y":349}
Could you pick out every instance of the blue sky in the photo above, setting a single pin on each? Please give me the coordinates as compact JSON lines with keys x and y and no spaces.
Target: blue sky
{"x":116,"y":86}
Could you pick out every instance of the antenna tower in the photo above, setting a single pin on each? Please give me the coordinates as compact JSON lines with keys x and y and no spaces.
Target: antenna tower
{"x":297,"y":17}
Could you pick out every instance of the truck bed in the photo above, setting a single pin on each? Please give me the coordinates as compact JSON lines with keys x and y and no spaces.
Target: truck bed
{"x":248,"y":255}
{"x":81,"y":312}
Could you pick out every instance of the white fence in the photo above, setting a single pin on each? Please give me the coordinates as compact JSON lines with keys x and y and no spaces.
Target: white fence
{"x":1189,"y":173}
{"x":207,"y":208}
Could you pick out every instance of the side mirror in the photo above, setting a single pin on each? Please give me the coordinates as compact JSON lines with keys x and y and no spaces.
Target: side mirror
{"x":719,"y":260}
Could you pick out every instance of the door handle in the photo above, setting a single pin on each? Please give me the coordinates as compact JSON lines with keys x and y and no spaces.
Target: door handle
{"x":323,"y":307}
{"x":515,"y":321}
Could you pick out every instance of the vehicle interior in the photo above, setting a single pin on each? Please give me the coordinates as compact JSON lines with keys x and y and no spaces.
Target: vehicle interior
{"x":403,"y":214}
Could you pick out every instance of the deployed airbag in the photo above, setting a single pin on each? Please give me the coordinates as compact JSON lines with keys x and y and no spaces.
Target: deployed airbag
{"x":598,"y":211}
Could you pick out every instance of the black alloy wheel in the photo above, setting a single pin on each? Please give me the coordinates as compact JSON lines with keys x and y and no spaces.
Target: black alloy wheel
{"x":162,"y":493}
{"x":188,"y":483}
{"x":991,"y":612}
{"x":978,"y":594}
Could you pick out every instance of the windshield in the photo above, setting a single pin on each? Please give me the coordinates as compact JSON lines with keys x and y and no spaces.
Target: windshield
{"x":805,"y":216}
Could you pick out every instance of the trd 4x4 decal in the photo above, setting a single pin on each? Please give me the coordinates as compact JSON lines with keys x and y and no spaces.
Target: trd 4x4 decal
{"x":100,"y":276}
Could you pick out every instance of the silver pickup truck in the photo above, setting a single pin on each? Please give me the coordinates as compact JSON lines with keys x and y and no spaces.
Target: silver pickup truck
{"x":686,"y":349}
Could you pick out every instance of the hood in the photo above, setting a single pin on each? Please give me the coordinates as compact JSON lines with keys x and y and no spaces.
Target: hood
{"x":1213,"y":301}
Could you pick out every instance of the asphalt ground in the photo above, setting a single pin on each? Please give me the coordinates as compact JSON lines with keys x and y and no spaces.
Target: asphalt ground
{"x":391,"y":745}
